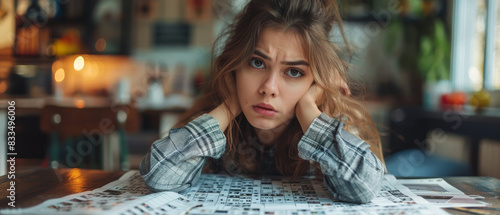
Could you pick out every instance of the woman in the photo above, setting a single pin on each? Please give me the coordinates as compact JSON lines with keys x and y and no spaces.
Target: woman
{"x":277,"y":103}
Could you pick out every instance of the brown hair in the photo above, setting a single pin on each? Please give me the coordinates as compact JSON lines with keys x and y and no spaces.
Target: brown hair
{"x":313,"y":21}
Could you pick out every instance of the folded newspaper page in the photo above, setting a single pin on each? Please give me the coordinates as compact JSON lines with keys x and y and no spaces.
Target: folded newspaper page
{"x":438,"y":192}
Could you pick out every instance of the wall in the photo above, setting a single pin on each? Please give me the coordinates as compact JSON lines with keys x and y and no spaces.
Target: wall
{"x":489,"y":158}
{"x":6,"y":26}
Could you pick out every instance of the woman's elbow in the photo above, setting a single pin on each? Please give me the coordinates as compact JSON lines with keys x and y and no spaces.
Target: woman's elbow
{"x":162,"y":179}
{"x":365,"y":194}
{"x":150,"y":176}
{"x":164,"y":184}
{"x":364,"y":197}
{"x":370,"y":188}
{"x":360,"y":189}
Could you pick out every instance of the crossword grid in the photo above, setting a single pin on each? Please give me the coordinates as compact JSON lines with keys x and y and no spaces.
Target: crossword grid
{"x":221,"y":190}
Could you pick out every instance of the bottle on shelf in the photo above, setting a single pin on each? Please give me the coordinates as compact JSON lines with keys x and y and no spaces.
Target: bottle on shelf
{"x":32,"y":34}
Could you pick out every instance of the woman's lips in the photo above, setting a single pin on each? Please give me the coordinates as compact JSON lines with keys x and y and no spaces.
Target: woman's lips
{"x":264,"y":109}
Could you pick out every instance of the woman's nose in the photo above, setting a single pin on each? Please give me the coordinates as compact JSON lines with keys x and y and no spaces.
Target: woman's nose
{"x":270,"y":85}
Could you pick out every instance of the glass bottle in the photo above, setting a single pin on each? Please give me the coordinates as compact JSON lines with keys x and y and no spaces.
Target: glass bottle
{"x":31,"y":31}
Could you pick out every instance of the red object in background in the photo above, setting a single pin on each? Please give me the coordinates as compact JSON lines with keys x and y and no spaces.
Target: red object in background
{"x":198,"y":6}
{"x":199,"y":80}
{"x":453,"y":100}
{"x":198,"y":10}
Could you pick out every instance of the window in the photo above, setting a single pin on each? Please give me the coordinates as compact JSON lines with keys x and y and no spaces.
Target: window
{"x":473,"y":45}
{"x":494,"y":26}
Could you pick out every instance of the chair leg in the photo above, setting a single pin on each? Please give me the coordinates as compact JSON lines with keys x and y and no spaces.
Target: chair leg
{"x":93,"y":163}
{"x":54,"y":151}
{"x":124,"y":162}
{"x":110,"y":147}
{"x":81,"y":163}
{"x":105,"y":154}
{"x":70,"y":148}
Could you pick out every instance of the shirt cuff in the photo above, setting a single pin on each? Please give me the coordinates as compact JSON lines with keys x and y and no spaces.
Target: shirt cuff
{"x":321,"y":130}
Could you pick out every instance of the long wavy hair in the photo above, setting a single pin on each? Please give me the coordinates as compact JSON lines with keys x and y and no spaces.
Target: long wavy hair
{"x":312,"y":21}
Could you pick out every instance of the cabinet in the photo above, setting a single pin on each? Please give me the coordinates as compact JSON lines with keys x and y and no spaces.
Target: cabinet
{"x":49,"y":29}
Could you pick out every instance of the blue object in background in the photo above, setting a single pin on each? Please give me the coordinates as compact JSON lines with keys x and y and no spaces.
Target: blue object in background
{"x":416,"y":163}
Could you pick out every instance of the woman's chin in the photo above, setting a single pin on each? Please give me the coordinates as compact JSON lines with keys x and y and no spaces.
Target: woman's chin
{"x":263,"y":124}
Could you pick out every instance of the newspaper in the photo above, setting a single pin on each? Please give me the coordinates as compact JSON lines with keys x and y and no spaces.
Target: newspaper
{"x":127,"y":195}
{"x":221,"y":194}
{"x":224,"y":194}
{"x":438,"y":192}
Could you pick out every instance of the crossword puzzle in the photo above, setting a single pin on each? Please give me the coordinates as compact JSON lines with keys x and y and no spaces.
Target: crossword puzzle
{"x":222,"y":190}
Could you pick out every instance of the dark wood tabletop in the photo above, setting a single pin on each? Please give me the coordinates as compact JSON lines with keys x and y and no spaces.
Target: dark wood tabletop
{"x":487,"y":187}
{"x":34,"y":186}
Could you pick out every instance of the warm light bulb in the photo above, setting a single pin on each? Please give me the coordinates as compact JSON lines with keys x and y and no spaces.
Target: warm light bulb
{"x":79,"y":103}
{"x":59,"y":75}
{"x":79,"y":63}
{"x":57,"y":65}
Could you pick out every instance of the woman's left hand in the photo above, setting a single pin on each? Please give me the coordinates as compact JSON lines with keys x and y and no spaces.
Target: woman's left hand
{"x":315,"y":95}
{"x":307,"y":109}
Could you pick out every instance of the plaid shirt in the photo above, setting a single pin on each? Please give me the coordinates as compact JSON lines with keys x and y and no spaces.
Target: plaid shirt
{"x":350,"y":170}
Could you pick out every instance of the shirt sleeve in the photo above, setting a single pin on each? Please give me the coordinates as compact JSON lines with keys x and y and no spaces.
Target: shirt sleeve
{"x":175,"y":162}
{"x":350,"y":169}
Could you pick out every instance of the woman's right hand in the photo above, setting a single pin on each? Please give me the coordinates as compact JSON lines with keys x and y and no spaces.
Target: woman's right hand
{"x":343,"y":86}
{"x":234,"y":103}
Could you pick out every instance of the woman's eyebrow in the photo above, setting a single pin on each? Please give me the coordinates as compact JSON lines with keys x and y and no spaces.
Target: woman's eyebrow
{"x":290,"y":63}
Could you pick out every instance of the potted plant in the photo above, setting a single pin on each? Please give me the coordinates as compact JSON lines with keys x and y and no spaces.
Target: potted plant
{"x":434,"y":65}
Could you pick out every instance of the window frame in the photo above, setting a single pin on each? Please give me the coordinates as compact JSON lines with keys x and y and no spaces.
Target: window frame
{"x":463,"y":28}
{"x":490,"y":46}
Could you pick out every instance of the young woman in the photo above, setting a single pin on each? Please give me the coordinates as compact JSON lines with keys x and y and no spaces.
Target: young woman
{"x":277,"y":103}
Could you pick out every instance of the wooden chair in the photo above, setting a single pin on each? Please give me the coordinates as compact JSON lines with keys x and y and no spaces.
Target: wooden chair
{"x":91,"y":126}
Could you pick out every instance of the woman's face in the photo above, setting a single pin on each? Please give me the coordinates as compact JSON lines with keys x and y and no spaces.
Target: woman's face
{"x":277,"y":76}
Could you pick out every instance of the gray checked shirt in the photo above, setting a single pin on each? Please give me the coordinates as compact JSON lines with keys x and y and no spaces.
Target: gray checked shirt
{"x":350,"y":170}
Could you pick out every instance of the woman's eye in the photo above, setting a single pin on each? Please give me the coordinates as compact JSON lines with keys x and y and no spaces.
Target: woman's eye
{"x":294,"y":73}
{"x":257,"y":63}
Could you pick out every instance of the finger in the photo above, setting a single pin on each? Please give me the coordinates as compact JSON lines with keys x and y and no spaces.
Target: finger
{"x":344,"y":87}
{"x":318,"y":94}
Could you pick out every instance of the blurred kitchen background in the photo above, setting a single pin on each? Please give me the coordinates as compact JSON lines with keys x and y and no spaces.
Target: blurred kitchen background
{"x":95,"y":82}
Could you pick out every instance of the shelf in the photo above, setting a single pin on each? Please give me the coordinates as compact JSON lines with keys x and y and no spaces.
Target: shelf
{"x":26,"y":60}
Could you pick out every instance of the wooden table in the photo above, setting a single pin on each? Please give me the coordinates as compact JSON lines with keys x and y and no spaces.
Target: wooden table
{"x":36,"y":185}
{"x":487,"y":187}
{"x":414,"y":123}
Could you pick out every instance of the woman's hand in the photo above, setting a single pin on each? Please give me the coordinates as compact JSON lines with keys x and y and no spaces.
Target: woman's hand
{"x":307,"y":109}
{"x":222,"y":113}
{"x":314,"y":95}
{"x":343,"y":86}
{"x":234,"y":103}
